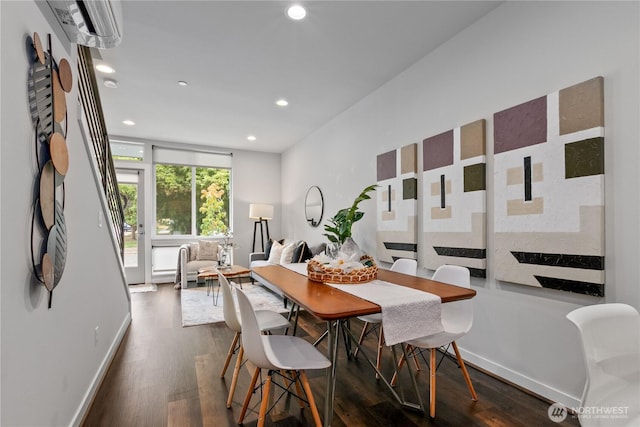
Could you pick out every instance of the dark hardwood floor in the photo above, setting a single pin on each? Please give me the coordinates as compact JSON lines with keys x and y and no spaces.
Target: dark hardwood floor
{"x":167,"y":375}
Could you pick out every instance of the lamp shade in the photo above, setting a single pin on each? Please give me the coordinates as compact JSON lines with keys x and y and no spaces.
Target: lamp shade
{"x":258,"y":211}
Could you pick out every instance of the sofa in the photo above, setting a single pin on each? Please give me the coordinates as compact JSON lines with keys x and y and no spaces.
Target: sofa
{"x":194,"y":256}
{"x":284,"y":252}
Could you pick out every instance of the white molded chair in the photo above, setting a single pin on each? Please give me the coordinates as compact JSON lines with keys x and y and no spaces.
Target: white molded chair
{"x":457,"y":319}
{"x":276,"y":353}
{"x":374,"y":321}
{"x":610,"y":335}
{"x":267,"y":320}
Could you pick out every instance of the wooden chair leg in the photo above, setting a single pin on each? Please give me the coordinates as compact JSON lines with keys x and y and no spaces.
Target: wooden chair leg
{"x":362,"y":334}
{"x":247,"y":398}
{"x":432,"y":383}
{"x":394,"y":379}
{"x":380,"y":347}
{"x":236,"y":374}
{"x":230,"y":353}
{"x":312,"y":402}
{"x":465,"y":373}
{"x":265,"y":401}
{"x":415,"y":357}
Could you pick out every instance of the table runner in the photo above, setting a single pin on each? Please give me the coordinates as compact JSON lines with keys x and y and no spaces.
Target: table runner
{"x":407,"y":313}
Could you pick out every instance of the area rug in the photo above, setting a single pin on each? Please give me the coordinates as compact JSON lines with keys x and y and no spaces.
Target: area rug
{"x":198,"y":308}
{"x":147,"y":287}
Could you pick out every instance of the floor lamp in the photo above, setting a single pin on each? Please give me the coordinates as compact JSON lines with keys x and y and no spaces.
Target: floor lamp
{"x":261,"y":213}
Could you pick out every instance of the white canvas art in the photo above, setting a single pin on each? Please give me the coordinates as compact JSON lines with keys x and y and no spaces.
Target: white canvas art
{"x":549,"y":191}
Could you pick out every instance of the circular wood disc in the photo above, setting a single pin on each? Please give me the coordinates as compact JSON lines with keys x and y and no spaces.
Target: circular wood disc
{"x":66,"y":76}
{"x":37,"y":44}
{"x":59,"y":153}
{"x":59,"y":101}
{"x":47,"y":271}
{"x":47,"y":194}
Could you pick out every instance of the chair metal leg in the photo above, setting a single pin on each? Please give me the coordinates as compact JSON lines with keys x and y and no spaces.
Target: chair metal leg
{"x":247,"y":398}
{"x":265,"y":401}
{"x":312,"y":402}
{"x":297,"y":381}
{"x":232,"y":350}
{"x":465,"y":373}
{"x":432,"y":383}
{"x":234,"y":379}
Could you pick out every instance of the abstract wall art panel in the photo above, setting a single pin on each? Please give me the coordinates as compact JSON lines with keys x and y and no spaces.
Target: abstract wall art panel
{"x":397,"y":204}
{"x":454,"y":199}
{"x":549,"y":194}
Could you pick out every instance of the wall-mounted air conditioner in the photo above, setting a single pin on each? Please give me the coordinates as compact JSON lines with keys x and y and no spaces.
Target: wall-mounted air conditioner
{"x":93,"y":23}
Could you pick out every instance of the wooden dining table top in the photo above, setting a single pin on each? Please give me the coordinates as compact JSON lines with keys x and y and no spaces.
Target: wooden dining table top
{"x":329,"y":303}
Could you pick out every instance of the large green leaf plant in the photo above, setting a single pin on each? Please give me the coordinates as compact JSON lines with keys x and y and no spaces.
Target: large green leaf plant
{"x":339,"y":227}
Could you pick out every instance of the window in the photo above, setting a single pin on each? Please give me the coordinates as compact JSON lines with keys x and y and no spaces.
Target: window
{"x":192,"y":199}
{"x":127,"y":151}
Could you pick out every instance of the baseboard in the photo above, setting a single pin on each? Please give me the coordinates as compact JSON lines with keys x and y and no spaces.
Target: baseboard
{"x":518,"y":380}
{"x":78,"y":417}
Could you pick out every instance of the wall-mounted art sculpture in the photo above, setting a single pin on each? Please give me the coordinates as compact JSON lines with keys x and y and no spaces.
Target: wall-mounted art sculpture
{"x":397,"y":204}
{"x":549,"y":190}
{"x":49,"y":80}
{"x":454,"y":199}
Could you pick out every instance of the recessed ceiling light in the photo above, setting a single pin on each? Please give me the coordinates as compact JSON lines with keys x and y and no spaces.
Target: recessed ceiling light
{"x":182,"y":83}
{"x":110,"y":83}
{"x":105,"y":69}
{"x":129,"y":122}
{"x":251,"y":138}
{"x":296,"y":12}
{"x":282,"y":102}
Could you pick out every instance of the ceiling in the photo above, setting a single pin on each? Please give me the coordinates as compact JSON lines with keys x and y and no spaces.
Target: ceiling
{"x":239,"y":57}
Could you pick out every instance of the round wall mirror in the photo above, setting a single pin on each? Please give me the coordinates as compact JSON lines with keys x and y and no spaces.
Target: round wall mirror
{"x":314,"y":206}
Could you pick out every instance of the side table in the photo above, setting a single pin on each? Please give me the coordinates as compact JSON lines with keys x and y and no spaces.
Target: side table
{"x":209,"y":274}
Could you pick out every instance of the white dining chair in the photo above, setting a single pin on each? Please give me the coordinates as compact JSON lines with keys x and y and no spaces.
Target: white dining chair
{"x":277,"y":354}
{"x":457,"y":319}
{"x":610,"y":336}
{"x":373,"y":322}
{"x":267,"y":321}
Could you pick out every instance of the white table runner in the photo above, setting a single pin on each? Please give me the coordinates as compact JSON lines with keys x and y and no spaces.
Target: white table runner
{"x":407,"y":313}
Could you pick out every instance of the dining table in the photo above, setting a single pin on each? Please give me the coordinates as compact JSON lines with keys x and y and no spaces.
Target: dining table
{"x":336,"y":307}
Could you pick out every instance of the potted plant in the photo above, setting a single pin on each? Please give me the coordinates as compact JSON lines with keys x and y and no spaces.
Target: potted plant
{"x":339,"y":227}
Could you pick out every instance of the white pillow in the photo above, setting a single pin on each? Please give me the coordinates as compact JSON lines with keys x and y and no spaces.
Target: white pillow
{"x":287,"y":252}
{"x":276,"y":253}
{"x":207,"y":250}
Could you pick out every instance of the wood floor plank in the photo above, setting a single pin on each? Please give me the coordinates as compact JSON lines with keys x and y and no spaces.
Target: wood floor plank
{"x":179,"y":415}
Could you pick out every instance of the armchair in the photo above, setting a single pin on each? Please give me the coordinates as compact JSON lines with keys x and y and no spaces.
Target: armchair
{"x":194,"y":256}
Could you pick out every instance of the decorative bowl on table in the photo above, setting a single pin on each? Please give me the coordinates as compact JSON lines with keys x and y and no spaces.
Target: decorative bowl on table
{"x":348,"y":266}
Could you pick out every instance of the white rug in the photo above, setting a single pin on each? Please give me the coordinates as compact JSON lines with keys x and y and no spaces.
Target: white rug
{"x":198,"y":308}
{"x":147,"y":287}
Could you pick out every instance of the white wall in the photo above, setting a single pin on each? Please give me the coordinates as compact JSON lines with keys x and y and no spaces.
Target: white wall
{"x":519,"y":51}
{"x":256,"y":179}
{"x":49,"y":356}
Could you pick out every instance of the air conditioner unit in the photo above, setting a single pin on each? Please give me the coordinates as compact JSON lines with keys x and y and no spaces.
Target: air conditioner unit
{"x":93,"y":23}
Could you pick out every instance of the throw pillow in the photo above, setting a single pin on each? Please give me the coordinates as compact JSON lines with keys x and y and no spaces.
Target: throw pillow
{"x":267,"y":247}
{"x":276,"y":253}
{"x":207,"y":250}
{"x":287,"y":252}
{"x":302,"y":253}
{"x":193,"y":251}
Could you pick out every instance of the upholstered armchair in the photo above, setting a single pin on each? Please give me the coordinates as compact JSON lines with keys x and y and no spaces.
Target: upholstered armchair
{"x":194,"y":256}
